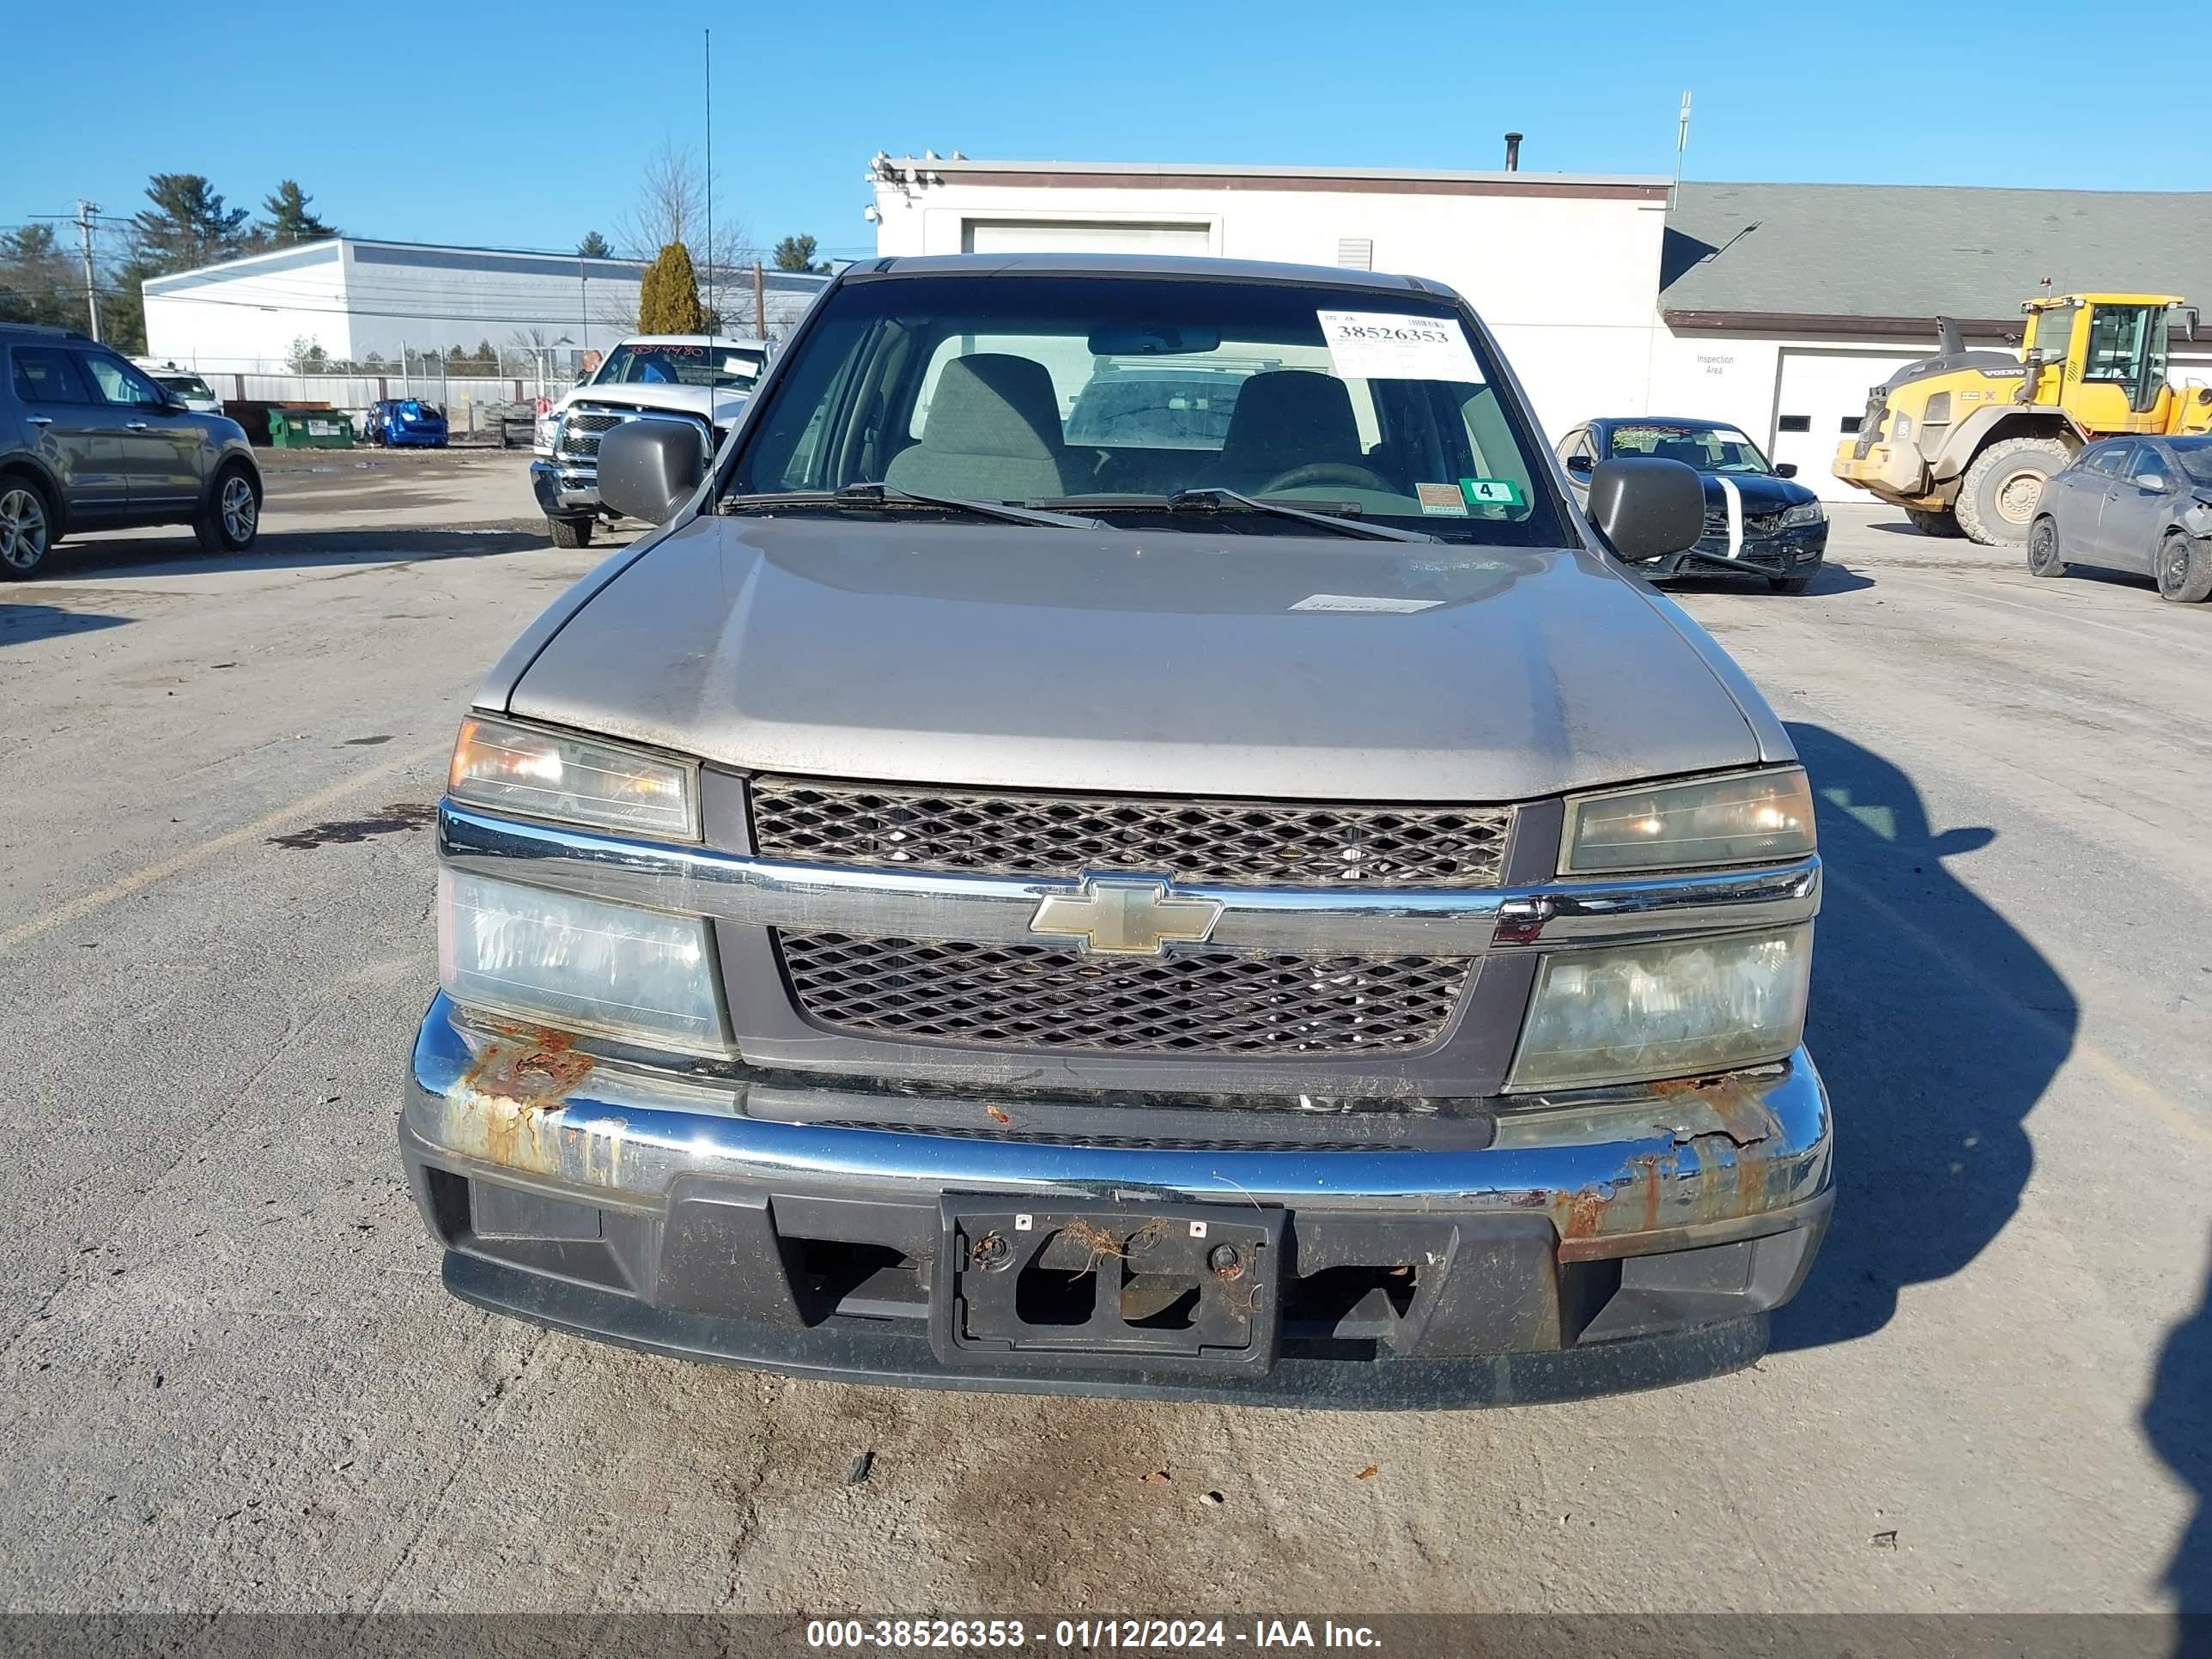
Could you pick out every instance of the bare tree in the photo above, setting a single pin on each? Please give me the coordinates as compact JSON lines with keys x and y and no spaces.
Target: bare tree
{"x":670,"y":206}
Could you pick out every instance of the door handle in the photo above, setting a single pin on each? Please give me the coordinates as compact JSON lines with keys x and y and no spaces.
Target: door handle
{"x":134,"y":426}
{"x":39,"y":420}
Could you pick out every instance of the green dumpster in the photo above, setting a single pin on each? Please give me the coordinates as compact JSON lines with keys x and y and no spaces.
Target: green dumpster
{"x":310,"y":428}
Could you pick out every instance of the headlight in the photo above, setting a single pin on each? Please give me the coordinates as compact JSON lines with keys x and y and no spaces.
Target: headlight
{"x":1803,"y":513}
{"x":1750,"y":817}
{"x":1679,"y":1009}
{"x":578,"y":963}
{"x":544,"y":774}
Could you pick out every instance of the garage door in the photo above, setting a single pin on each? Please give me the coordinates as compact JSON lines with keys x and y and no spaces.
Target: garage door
{"x":1072,"y":236}
{"x":1822,"y":396}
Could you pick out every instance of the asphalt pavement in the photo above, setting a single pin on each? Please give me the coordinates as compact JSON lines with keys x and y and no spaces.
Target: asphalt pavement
{"x":229,"y":1378}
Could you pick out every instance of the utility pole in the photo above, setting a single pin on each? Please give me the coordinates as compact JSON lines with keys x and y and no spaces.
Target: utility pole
{"x":760,"y":302}
{"x":84,"y":211}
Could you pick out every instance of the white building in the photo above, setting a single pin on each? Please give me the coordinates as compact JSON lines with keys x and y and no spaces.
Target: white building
{"x":355,"y":299}
{"x":1773,"y":306}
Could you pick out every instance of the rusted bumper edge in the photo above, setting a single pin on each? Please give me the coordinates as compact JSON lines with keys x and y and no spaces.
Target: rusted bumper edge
{"x":1589,"y":1221}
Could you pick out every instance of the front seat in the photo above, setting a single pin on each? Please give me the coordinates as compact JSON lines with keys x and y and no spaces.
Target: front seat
{"x":993,"y":432}
{"x":1284,"y":418}
{"x":1688,"y":450}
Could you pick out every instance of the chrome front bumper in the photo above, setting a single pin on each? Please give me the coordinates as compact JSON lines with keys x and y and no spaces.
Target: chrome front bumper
{"x":564,"y":488}
{"x":673,"y":1212}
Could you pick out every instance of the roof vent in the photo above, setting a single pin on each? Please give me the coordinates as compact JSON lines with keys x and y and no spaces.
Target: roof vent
{"x":1356,"y":252}
{"x":1513,"y":152}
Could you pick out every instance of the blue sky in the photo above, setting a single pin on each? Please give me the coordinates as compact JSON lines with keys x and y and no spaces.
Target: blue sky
{"x":527,"y":126}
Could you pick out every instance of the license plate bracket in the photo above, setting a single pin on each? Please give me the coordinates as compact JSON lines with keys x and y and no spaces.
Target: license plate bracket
{"x":1131,"y":1284}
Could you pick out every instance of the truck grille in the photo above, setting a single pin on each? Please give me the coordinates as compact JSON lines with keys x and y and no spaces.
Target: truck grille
{"x":1042,"y":996}
{"x":582,"y":427}
{"x":580,"y":432}
{"x":1258,"y":842}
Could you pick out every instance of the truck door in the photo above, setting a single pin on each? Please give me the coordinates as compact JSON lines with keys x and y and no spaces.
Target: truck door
{"x":2123,"y":369}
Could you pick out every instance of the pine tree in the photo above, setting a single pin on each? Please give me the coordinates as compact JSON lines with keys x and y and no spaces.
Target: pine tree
{"x":668,"y":299}
{"x":188,"y":225}
{"x":796,"y":253}
{"x":288,"y":219}
{"x":593,"y":246}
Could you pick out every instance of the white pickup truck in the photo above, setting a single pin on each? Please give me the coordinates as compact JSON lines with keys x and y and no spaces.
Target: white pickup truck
{"x":702,"y":378}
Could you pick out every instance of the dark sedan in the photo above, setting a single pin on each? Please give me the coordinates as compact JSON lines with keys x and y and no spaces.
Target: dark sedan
{"x":1757,"y":521}
{"x":2137,"y":504}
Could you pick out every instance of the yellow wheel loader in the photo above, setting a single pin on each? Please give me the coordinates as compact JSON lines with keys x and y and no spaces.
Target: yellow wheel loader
{"x":1963,"y":441}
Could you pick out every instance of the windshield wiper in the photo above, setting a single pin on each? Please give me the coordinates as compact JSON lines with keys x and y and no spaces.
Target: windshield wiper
{"x":1213,"y":499}
{"x":876,"y":495}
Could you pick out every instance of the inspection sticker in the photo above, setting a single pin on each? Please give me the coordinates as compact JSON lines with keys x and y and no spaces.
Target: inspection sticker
{"x":1380,"y":345}
{"x":1442,"y":499}
{"x":1490,"y":492}
{"x":1378,"y":602}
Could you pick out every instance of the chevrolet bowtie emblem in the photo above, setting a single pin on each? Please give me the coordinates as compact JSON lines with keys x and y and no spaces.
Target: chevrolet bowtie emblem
{"x":1122,"y":915}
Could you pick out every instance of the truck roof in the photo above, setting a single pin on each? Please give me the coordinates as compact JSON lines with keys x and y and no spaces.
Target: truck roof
{"x":1139,"y":264}
{"x":692,"y":339}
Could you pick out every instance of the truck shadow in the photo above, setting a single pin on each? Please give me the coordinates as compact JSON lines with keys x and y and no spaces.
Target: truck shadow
{"x":1937,"y":1026}
{"x":2177,"y":1421}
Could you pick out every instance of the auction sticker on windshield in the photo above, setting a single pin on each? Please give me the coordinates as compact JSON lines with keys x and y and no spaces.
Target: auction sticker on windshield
{"x":1380,"y":345}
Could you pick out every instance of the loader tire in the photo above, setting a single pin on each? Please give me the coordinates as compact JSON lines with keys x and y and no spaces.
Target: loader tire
{"x":1944,"y":523}
{"x":1998,"y":495}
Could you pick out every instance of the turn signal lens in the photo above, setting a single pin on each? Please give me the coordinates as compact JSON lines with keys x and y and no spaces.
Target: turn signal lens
{"x":544,"y":774}
{"x":1750,"y":817}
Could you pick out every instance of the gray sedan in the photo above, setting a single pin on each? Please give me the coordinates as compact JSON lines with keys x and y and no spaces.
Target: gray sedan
{"x":2137,"y":504}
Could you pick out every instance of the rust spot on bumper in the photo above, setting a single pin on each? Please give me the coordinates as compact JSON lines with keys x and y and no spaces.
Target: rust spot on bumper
{"x":536,"y":1069}
{"x":506,"y":1108}
{"x":1719,"y":1169}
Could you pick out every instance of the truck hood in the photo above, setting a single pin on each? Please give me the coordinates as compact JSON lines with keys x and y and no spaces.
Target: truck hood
{"x":1319,"y":668}
{"x":718,"y":405}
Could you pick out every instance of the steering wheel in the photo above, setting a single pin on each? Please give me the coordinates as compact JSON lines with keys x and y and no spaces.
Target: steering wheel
{"x":1327,"y":472}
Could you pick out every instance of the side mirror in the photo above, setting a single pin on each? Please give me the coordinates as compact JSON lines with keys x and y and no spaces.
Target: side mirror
{"x":1579,"y":466}
{"x":1785,"y":469}
{"x":1645,"y":508}
{"x":2152,"y":481}
{"x":648,"y":467}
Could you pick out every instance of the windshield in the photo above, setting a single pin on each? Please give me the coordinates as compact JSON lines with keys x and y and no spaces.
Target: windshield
{"x":1708,"y":448}
{"x":187,"y":385}
{"x":679,"y":365}
{"x":2196,"y":458}
{"x":1115,"y":393}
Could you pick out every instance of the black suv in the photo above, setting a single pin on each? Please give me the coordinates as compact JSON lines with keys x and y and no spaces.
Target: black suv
{"x":88,"y":442}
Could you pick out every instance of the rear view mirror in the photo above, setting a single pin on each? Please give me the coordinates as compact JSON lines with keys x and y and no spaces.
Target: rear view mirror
{"x":1150,"y":340}
{"x":650,"y":467}
{"x":1580,"y":465}
{"x":1645,"y":508}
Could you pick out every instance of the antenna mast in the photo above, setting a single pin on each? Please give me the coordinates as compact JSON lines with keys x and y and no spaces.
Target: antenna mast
{"x":1682,"y":139}
{"x":710,"y":178}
